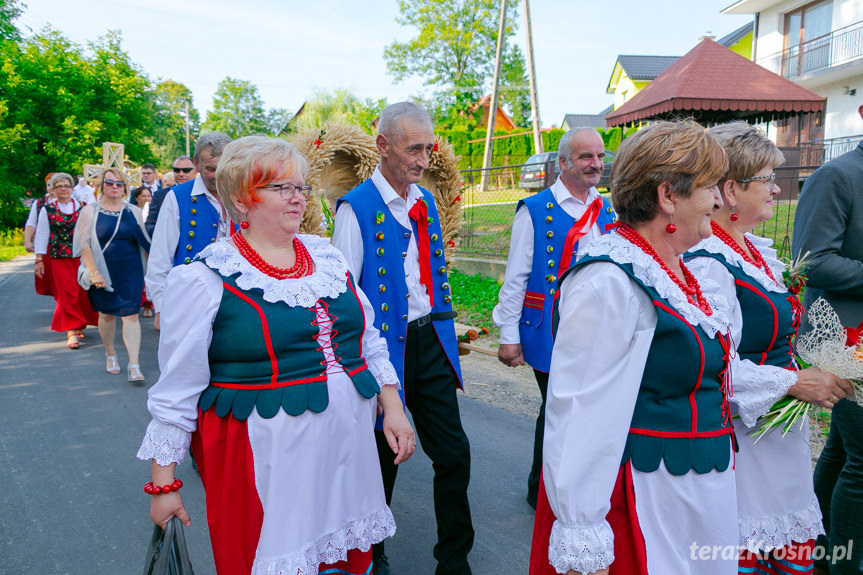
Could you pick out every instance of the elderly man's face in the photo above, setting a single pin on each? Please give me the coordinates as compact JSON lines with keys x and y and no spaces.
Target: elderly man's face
{"x":206,"y":165}
{"x":405,"y":157}
{"x":184,"y":170}
{"x":583,"y":169}
{"x":148,"y":176}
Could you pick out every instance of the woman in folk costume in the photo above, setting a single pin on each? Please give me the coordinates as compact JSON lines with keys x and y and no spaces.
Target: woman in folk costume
{"x":637,"y":456}
{"x":272,"y":369}
{"x":778,"y":513}
{"x":53,"y":247}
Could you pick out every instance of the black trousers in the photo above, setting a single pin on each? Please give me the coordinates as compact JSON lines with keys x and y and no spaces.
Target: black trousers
{"x":430,"y":393}
{"x":536,"y":467}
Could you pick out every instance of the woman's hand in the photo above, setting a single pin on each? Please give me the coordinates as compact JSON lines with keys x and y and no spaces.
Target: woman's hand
{"x":96,"y":279}
{"x":165,"y":506}
{"x":820,"y":387}
{"x":39,"y":268}
{"x":397,"y":430}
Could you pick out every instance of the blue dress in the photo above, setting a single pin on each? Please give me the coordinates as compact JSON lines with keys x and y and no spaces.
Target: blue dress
{"x":123,"y":260}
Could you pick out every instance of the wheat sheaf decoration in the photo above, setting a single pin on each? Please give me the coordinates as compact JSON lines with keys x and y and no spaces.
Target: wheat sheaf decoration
{"x":342,"y":157}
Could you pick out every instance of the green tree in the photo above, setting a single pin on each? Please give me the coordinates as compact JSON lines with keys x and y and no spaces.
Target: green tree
{"x":339,"y":107}
{"x":454,"y":52}
{"x":237,"y":110}
{"x":168,"y":120}
{"x":9,"y":12}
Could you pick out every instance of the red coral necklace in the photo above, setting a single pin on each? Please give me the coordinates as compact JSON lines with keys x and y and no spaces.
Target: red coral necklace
{"x":690,"y":287}
{"x":757,"y":259}
{"x":302,"y":267}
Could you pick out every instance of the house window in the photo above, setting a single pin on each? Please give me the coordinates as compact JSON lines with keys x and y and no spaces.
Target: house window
{"x":807,"y":38}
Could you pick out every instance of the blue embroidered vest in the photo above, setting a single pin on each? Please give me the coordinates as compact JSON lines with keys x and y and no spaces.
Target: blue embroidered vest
{"x":681,"y":414}
{"x":266,"y":356}
{"x":385,"y":244}
{"x":199,"y":223}
{"x":550,"y":226}
{"x":770,"y":318}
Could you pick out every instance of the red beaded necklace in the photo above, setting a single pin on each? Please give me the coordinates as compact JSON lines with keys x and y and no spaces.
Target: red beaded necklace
{"x":302,"y":267}
{"x":757,"y":259}
{"x":690,"y":287}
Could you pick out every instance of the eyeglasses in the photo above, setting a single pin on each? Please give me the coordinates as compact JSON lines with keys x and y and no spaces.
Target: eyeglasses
{"x":184,"y":170}
{"x":771,"y":177}
{"x":62,"y":187}
{"x":113,"y":182}
{"x":287,"y":190}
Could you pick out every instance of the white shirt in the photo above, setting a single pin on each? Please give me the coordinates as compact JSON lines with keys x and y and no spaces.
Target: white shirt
{"x":507,"y":313}
{"x":33,"y":216}
{"x":43,"y":228}
{"x":348,"y":239}
{"x":166,"y":238}
{"x":84,"y":193}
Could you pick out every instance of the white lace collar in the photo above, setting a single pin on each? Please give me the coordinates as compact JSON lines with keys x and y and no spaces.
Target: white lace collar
{"x":716,"y":246}
{"x":328,"y":279}
{"x":648,"y":271}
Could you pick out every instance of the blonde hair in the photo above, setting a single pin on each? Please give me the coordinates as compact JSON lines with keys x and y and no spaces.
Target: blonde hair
{"x":117,"y":172}
{"x":252,"y":162}
{"x":748,"y":151}
{"x":681,"y":154}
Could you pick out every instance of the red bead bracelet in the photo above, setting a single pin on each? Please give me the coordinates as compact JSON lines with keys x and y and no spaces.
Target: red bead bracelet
{"x":151,"y":489}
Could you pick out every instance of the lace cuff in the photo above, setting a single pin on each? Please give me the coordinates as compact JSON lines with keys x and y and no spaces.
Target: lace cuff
{"x":584,"y":549}
{"x":164,"y":442}
{"x":768,"y":533}
{"x":385,"y":373}
{"x":754,"y":402}
{"x":332,"y":547}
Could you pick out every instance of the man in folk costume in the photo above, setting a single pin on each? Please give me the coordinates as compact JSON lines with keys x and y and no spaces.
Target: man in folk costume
{"x":389,"y":231}
{"x":546,"y":233}
{"x":191,"y":218}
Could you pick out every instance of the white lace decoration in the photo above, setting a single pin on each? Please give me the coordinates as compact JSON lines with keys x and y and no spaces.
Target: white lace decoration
{"x":328,"y":279}
{"x":754,"y":402}
{"x":767,"y":533}
{"x":164,"y":442}
{"x":332,"y":547}
{"x":647,"y":270}
{"x":583,"y":549}
{"x":716,"y":246}
{"x":384,"y":373}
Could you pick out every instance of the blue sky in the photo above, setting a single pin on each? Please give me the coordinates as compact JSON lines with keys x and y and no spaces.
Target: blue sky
{"x":290,"y":48}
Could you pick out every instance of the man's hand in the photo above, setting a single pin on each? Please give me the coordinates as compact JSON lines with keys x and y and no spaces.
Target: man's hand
{"x":510,"y":354}
{"x":156,"y":321}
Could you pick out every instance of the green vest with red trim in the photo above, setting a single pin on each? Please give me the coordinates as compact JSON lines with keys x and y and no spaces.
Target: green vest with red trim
{"x":681,"y":414}
{"x":266,"y":356}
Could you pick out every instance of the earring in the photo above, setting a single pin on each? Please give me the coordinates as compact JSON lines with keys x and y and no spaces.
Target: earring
{"x":670,"y":228}
{"x":734,"y":217}
{"x":244,"y":224}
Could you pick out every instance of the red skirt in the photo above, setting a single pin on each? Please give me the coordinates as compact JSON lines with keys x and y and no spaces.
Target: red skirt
{"x":43,"y":284}
{"x":73,"y":309}
{"x":794,"y":559}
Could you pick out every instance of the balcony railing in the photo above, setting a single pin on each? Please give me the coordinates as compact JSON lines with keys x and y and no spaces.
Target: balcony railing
{"x":838,"y":47}
{"x":822,"y":151}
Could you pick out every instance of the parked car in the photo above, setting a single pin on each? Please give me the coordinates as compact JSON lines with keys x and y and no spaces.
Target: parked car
{"x":533,"y":172}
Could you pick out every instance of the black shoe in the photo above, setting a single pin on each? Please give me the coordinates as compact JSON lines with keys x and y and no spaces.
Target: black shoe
{"x":381,"y":565}
{"x":531,"y":498}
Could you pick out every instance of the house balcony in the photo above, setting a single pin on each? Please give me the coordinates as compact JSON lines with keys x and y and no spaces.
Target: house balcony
{"x":825,"y":57}
{"x":816,"y":153}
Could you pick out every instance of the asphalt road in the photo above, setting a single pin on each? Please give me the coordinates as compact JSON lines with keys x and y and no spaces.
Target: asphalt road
{"x":71,"y":499}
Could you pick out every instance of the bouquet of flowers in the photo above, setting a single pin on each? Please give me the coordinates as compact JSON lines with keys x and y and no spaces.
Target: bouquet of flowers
{"x":830,"y":347}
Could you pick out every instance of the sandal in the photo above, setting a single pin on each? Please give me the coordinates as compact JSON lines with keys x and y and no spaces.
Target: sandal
{"x":79,"y":333}
{"x":72,"y":340}
{"x":135,"y":372}
{"x":148,"y":312}
{"x":112,"y":365}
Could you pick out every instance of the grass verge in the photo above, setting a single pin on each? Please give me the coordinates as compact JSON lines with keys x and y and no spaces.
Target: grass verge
{"x":11,"y":244}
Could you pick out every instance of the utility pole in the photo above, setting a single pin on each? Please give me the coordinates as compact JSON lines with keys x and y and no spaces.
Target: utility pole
{"x":531,"y":74}
{"x":492,"y":105}
{"x":187,"y":127}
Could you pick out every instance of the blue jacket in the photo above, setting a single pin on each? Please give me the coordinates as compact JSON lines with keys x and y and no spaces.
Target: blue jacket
{"x":199,"y":223}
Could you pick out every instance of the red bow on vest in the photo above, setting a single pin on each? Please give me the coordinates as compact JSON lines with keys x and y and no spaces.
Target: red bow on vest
{"x":419,"y":214}
{"x":577,"y":231}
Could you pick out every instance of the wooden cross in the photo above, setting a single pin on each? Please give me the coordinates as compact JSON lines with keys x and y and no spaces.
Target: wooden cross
{"x":112,"y":157}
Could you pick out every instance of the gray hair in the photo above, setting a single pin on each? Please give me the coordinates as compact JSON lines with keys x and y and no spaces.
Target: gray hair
{"x":213,"y":142}
{"x":60,"y":176}
{"x":564,"y":148}
{"x":391,"y":117}
{"x":178,"y":158}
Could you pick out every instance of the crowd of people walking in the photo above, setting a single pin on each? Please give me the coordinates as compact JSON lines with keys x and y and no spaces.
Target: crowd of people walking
{"x":287,"y":361}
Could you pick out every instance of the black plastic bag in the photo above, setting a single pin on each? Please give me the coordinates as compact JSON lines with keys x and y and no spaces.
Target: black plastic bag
{"x":167,"y":554}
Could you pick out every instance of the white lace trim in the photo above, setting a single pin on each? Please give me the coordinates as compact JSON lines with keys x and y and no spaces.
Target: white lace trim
{"x":756,"y":401}
{"x":766,"y":533}
{"x":583,"y":549}
{"x":164,"y":442}
{"x":384,"y":373}
{"x":328,"y":279}
{"x":332,"y":547}
{"x":716,"y":246}
{"x":650,"y":273}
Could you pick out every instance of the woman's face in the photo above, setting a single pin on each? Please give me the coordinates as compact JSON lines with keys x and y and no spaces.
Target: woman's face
{"x":275,"y":214}
{"x":692,"y":215}
{"x":113,"y":186}
{"x":144,"y":197}
{"x":755,"y":202}
{"x":63,"y":190}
